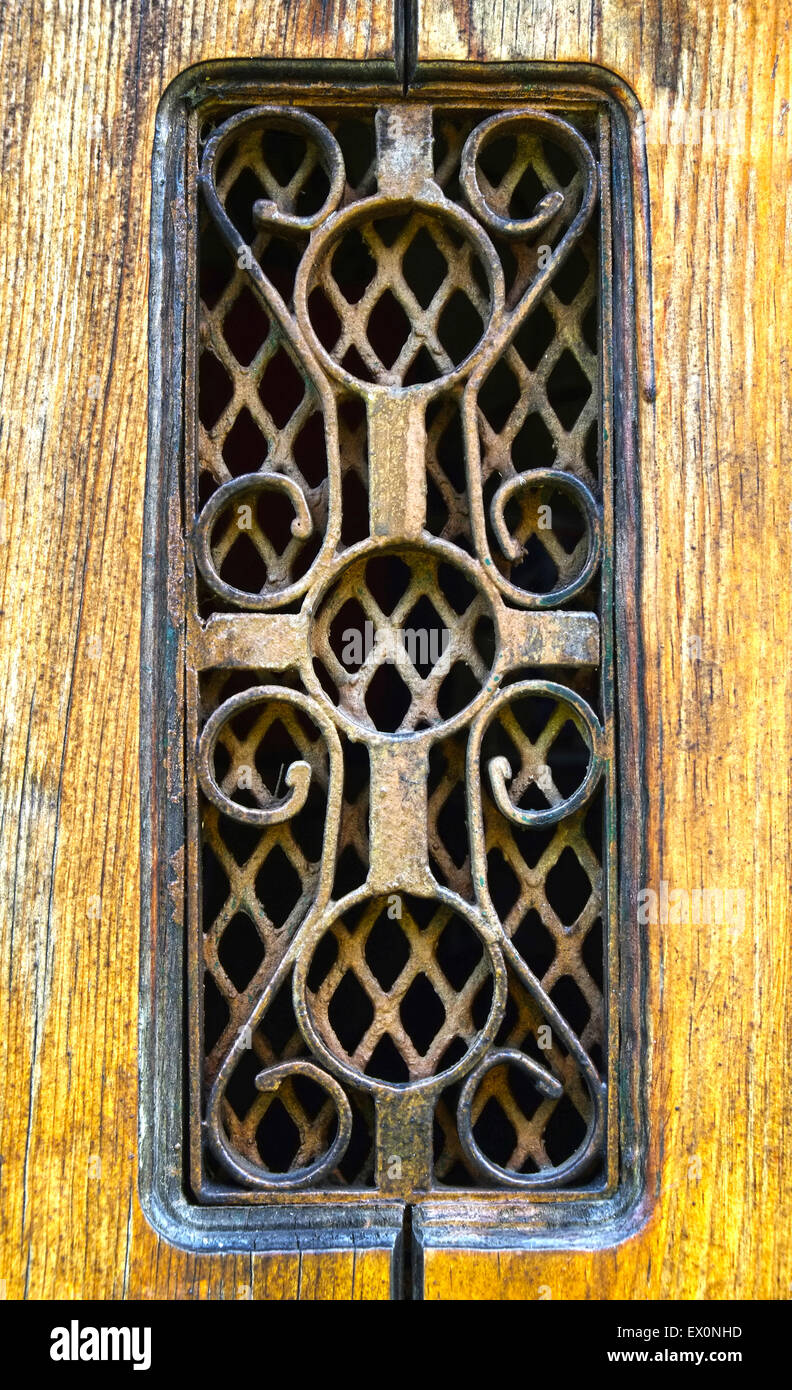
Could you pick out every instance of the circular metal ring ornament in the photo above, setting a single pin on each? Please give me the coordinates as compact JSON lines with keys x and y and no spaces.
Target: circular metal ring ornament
{"x":322,"y":246}
{"x":339,"y":1066}
{"x":480,"y":579}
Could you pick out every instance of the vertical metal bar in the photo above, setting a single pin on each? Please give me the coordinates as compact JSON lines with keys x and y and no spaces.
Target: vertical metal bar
{"x":186,"y":572}
{"x":398,"y":818}
{"x":607,"y":674}
{"x":404,"y":1143}
{"x":397,"y":466}
{"x":396,"y":422}
{"x":404,"y":150}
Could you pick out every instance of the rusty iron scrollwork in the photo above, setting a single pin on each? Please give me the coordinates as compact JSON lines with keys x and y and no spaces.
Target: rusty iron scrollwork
{"x":486,"y":698}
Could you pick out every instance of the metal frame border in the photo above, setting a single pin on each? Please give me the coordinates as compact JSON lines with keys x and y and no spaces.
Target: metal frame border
{"x":481,"y":1220}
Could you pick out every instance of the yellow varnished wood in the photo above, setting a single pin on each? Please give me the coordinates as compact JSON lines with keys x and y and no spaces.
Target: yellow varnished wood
{"x":80,"y":93}
{"x":717,"y":527}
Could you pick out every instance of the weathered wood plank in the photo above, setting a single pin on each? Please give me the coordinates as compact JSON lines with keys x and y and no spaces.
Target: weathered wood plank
{"x":716,"y":631}
{"x":80,"y":93}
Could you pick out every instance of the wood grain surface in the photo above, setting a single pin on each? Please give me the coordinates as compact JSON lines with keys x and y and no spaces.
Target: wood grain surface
{"x":81,"y":87}
{"x":81,"y":84}
{"x":717,"y":524}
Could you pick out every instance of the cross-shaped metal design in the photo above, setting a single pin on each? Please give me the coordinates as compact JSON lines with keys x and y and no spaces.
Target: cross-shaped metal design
{"x":493,"y":630}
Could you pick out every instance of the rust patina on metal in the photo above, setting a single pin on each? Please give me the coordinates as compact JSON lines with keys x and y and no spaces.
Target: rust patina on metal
{"x":375,"y":1107}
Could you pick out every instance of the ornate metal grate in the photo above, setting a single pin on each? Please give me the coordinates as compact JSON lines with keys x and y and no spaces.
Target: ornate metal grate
{"x":393,"y":597}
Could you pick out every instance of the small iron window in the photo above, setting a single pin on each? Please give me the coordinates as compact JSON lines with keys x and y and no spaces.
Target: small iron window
{"x":384,"y":850}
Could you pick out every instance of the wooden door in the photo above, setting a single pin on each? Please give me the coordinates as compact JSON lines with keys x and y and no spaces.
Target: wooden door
{"x":713,"y":530}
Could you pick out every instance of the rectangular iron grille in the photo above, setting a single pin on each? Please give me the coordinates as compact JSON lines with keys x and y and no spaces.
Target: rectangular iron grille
{"x":392,"y":589}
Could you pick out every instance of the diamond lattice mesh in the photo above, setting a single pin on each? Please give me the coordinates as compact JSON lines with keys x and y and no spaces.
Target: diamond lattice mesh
{"x":403,"y":302}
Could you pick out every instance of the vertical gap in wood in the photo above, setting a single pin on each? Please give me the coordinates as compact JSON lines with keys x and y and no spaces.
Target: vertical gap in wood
{"x":406,"y":41}
{"x":409,"y":1284}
